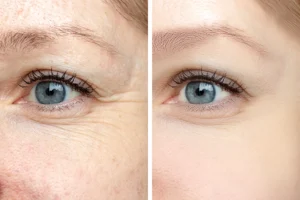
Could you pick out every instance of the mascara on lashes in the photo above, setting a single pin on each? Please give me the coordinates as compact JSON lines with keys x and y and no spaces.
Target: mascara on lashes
{"x":43,"y":75}
{"x":212,"y":77}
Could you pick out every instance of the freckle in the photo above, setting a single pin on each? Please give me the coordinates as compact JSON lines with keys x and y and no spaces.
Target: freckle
{"x":8,"y":175}
{"x":20,"y":11}
{"x":6,"y":18}
{"x":56,"y":3}
{"x":49,"y":164}
{"x":67,"y":193}
{"x":80,"y":173}
{"x":56,"y":197}
{"x":116,"y":190}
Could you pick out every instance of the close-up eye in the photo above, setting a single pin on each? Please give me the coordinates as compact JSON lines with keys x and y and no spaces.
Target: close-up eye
{"x":51,"y":92}
{"x":201,"y":92}
{"x":201,"y":87}
{"x":51,"y":88}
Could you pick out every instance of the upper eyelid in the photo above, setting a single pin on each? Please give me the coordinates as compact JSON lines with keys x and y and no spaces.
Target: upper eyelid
{"x":189,"y":74}
{"x":39,"y":75}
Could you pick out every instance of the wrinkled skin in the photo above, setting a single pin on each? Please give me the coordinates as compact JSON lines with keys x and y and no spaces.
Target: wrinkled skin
{"x":253,"y":152}
{"x":96,"y":147}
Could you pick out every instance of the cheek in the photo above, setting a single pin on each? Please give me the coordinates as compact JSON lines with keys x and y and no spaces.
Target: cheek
{"x":39,"y":166}
{"x":78,"y":161}
{"x":233,"y":163}
{"x":198,"y":170}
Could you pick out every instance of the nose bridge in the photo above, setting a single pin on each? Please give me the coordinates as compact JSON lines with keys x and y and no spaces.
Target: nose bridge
{"x":7,"y":69}
{"x":8,"y":92}
{"x":8,"y":119}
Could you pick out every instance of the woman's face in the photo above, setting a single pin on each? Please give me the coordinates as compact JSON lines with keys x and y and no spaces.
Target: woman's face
{"x":67,"y":136}
{"x":226,"y":102}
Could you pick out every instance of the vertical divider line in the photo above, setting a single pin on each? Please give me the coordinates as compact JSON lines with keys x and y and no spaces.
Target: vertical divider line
{"x":150,"y":100}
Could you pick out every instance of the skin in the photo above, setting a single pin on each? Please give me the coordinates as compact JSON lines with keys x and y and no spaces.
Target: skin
{"x":91,"y":150}
{"x":248,"y":149}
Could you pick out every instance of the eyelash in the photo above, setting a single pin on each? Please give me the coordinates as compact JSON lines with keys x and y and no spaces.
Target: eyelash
{"x":212,"y":77}
{"x":76,"y":84}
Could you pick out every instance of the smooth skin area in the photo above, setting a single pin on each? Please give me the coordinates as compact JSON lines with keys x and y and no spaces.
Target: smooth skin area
{"x":90,"y":146}
{"x":244,"y":148}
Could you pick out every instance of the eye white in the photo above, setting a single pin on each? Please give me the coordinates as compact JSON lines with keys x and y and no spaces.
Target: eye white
{"x":219,"y":92}
{"x":70,"y":93}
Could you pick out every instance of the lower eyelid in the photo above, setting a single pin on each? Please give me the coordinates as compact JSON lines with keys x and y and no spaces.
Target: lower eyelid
{"x":79,"y":106}
{"x":230,"y":106}
{"x":59,"y":107}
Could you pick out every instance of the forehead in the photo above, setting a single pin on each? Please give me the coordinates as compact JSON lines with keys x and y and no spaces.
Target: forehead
{"x":240,"y":14}
{"x":96,"y":15}
{"x":195,"y":12}
{"x":39,"y":13}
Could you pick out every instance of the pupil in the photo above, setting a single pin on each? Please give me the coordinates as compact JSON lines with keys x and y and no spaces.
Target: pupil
{"x":200,"y":92}
{"x":50,"y":93}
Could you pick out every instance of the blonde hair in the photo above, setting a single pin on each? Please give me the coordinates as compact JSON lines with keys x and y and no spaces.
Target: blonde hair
{"x":286,"y":12}
{"x":135,"y":11}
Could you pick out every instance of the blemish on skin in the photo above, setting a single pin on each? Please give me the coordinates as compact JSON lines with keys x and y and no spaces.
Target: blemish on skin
{"x":67,"y":194}
{"x":57,"y":197}
{"x":20,"y":11}
{"x":117,"y":190}
{"x":80,"y":173}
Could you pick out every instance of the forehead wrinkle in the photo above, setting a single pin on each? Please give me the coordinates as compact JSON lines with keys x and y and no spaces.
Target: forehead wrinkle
{"x":29,"y":39}
{"x":172,"y":41}
{"x":87,"y":35}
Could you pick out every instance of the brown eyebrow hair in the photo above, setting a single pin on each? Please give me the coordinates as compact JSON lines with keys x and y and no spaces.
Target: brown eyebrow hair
{"x":172,"y":41}
{"x":286,"y":12}
{"x":135,"y":11}
{"x":28,"y":39}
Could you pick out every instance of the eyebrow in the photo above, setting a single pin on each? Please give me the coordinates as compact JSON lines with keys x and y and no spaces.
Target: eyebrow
{"x":29,"y":39}
{"x":170,"y":42}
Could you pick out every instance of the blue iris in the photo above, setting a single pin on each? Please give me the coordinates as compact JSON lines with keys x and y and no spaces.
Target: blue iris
{"x":200,"y":92}
{"x":50,"y":92}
